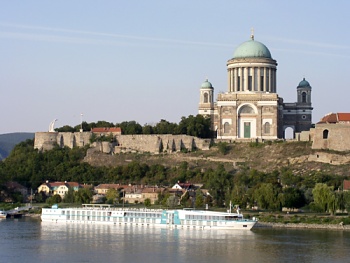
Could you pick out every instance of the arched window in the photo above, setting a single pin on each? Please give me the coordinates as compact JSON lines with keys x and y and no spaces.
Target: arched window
{"x":247,"y":109}
{"x":325,"y":134}
{"x":226,"y":127}
{"x":206,"y":98}
{"x":303,"y":97}
{"x":267,"y":128}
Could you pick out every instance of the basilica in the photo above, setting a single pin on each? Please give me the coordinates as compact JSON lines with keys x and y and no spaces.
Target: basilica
{"x":251,"y":108}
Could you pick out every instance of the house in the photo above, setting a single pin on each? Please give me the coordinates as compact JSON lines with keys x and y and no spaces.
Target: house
{"x":59,"y":188}
{"x":151,"y":193}
{"x":332,"y":132}
{"x":102,"y":189}
{"x":107,"y":130}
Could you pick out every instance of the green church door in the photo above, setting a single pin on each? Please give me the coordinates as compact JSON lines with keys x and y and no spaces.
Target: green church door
{"x":247,"y":130}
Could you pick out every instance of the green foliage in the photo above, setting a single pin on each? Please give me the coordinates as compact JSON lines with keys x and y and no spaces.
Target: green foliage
{"x":83,"y":196}
{"x":55,"y":199}
{"x":223,"y":148}
{"x":147,"y":202}
{"x":112,"y":195}
{"x":199,"y":203}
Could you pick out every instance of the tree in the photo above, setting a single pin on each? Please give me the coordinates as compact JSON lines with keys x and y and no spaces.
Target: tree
{"x":292,"y":198}
{"x":55,"y":199}
{"x":84,"y":195}
{"x":69,"y":196}
{"x":266,"y":196}
{"x":172,"y":201}
{"x":323,"y":196}
{"x":147,"y":202}
{"x":199,"y":203}
{"x":112,"y":195}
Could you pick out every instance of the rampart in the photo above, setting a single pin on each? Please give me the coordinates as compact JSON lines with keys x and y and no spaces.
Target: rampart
{"x":123,"y":143}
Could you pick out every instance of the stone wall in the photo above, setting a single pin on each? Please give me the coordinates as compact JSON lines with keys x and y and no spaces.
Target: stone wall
{"x":337,"y":138}
{"x":124,"y":143}
{"x":45,"y":141}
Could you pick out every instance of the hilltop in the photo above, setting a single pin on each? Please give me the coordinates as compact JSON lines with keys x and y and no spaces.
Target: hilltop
{"x":9,"y":140}
{"x":266,"y":157}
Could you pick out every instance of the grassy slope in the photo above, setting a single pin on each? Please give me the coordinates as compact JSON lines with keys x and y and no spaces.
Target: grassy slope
{"x":262,"y":157}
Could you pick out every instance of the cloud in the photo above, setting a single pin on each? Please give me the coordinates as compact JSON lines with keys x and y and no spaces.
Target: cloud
{"x":101,"y":38}
{"x":53,"y":38}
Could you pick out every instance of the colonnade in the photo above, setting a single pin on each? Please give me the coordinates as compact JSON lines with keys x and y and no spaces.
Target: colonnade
{"x":260,"y":79}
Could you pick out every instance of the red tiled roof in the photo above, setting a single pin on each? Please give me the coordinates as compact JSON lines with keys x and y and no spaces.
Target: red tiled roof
{"x":107,"y":129}
{"x":152,"y":190}
{"x":335,"y":117}
{"x":343,"y":116}
{"x":107,"y":186}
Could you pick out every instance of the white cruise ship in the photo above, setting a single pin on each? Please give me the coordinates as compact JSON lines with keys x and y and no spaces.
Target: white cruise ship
{"x":186,"y":218}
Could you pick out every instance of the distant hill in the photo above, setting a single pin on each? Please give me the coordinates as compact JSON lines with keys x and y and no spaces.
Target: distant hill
{"x":9,"y":140}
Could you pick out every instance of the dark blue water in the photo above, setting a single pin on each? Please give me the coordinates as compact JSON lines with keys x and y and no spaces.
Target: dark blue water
{"x":28,"y":240}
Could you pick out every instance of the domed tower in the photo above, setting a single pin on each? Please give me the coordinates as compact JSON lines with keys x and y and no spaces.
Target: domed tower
{"x":298,"y":115}
{"x":304,"y":92}
{"x":304,"y":107}
{"x":206,"y":99}
{"x":252,"y":69}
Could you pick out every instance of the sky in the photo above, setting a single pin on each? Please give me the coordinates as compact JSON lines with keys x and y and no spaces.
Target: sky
{"x":145,"y":61}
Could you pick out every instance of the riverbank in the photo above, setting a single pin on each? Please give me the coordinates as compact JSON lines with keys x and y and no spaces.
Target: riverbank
{"x":302,"y":226}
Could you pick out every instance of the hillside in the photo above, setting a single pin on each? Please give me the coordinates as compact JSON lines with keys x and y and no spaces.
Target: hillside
{"x":267,"y":157}
{"x":9,"y":140}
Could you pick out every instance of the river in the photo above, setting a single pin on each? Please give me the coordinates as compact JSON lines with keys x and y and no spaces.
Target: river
{"x":29,"y":240}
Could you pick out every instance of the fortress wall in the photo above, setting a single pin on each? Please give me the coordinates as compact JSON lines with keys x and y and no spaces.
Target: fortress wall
{"x":338,"y":137}
{"x":142,"y":143}
{"x":45,"y":140}
{"x":82,"y":138}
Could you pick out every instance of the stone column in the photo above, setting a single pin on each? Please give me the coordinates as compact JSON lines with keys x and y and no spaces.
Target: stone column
{"x":236,"y":79}
{"x":245,"y":79}
{"x":253,"y":79}
{"x":229,"y":79}
{"x":259,"y":77}
{"x":270,"y":80}
{"x":264,"y":80}
{"x":240,"y":79}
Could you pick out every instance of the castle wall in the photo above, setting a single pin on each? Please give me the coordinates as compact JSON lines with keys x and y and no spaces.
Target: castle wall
{"x":337,"y":137}
{"x":124,"y":143}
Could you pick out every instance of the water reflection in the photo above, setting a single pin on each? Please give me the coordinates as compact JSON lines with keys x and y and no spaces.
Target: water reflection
{"x":32,"y":241}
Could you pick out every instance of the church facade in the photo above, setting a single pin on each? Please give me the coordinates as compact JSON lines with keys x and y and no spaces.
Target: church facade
{"x":251,"y":107}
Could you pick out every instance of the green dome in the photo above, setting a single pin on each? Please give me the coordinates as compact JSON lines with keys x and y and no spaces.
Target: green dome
{"x":252,"y":49}
{"x":304,"y":83}
{"x":206,"y":85}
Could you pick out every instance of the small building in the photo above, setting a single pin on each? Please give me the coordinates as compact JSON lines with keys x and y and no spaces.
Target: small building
{"x":151,"y":193}
{"x":107,"y":130}
{"x":59,"y":188}
{"x":332,"y":132}
{"x":102,"y":189}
